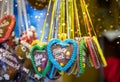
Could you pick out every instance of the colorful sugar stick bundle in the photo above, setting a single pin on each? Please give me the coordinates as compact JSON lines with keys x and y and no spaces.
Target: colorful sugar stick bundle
{"x":64,"y":47}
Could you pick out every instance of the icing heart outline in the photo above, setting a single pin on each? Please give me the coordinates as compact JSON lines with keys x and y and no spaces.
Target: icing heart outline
{"x":48,"y":65}
{"x":10,"y":28}
{"x":73,"y":56}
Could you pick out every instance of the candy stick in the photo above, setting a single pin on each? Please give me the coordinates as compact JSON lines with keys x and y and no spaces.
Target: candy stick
{"x":77,"y":19}
{"x":46,"y":20}
{"x":62,"y":24}
{"x":57,"y":18}
{"x":95,"y":53}
{"x":89,"y":26}
{"x":89,"y":18}
{"x":11,"y":6}
{"x":2,"y":9}
{"x":91,"y":52}
{"x":70,"y":18}
{"x":20,"y":22}
{"x":8,"y":8}
{"x":52,"y":23}
{"x":25,"y":14}
{"x":67,"y":22}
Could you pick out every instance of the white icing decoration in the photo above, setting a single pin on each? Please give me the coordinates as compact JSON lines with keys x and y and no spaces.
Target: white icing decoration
{"x":59,"y":53}
{"x":6,"y":76}
{"x":1,"y":31}
{"x":4,"y":24}
{"x":13,"y":34}
{"x":6,"y":57}
{"x":39,"y":58}
{"x":16,"y":66}
{"x":10,"y":57}
{"x":43,"y":59}
{"x":23,"y":48}
{"x":38,"y":62}
{"x":20,"y":57}
{"x":26,"y":70}
{"x":28,"y":55}
{"x":37,"y":76}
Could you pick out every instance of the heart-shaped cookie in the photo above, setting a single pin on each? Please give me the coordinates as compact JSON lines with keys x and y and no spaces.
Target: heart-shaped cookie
{"x":9,"y":64}
{"x":40,"y":60}
{"x":62,"y":54}
{"x":6,"y":27}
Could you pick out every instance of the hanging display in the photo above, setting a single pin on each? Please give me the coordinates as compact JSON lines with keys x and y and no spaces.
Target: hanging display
{"x":65,"y":45}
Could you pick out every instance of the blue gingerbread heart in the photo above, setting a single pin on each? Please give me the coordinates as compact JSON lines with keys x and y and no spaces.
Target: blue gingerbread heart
{"x":62,"y":54}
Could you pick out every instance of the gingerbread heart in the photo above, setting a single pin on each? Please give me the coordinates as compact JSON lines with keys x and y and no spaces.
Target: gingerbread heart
{"x":62,"y":54}
{"x":40,"y":60}
{"x":6,"y":27}
{"x":10,"y":64}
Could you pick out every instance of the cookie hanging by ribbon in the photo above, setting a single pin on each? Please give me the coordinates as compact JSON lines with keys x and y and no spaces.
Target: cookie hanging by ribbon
{"x":62,"y":54}
{"x":40,"y":60}
{"x":6,"y":27}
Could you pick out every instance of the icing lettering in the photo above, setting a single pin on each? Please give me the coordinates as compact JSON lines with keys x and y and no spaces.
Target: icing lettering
{"x":38,"y":58}
{"x":38,"y":62}
{"x":5,"y":56}
{"x":16,"y":66}
{"x":59,"y":50}
{"x":59,"y":53}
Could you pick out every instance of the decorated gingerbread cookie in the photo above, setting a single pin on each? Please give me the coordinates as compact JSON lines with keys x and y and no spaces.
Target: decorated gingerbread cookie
{"x":9,"y":63}
{"x":6,"y":27}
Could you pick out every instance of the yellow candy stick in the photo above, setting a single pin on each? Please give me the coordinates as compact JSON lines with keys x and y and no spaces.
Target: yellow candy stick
{"x":71,"y":18}
{"x":51,"y":24}
{"x":84,"y":17}
{"x":43,"y":30}
{"x":44,"y":26}
{"x":77,"y":19}
{"x":100,"y":51}
{"x":62,"y":24}
{"x":95,"y":37}
{"x":89,"y":18}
